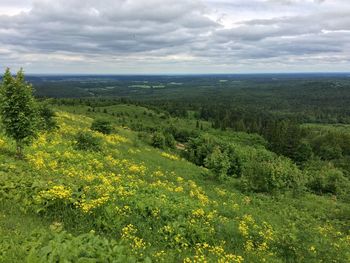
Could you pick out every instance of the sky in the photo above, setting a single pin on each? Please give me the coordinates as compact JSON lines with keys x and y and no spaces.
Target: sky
{"x":174,"y":36}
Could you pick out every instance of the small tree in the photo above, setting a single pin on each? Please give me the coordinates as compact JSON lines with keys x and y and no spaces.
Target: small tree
{"x":158,"y":140}
{"x":218,"y":162}
{"x":169,"y":140}
{"x":18,"y":109}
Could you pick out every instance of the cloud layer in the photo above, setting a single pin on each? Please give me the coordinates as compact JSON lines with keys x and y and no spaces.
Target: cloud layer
{"x":183,"y":36}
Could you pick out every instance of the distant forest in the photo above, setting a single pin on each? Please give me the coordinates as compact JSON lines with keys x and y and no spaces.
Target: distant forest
{"x":241,"y":102}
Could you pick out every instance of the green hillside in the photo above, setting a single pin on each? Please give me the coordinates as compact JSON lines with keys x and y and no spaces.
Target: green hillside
{"x":126,"y":201}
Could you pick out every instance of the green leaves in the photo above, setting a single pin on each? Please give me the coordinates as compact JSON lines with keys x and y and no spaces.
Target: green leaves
{"x":218,"y":162}
{"x":103,"y":126}
{"x":18,"y":109}
{"x":86,"y":141}
{"x":64,"y":247}
{"x":272,"y":175}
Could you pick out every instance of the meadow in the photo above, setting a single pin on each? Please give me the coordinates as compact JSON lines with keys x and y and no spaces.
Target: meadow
{"x":179,"y":180}
{"x":130,"y":202}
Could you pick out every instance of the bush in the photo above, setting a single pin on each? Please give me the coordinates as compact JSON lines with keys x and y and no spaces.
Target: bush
{"x":102,"y":126}
{"x":330,"y":152}
{"x":235,"y":169}
{"x":47,"y":121}
{"x":197,"y":149}
{"x":169,"y":140}
{"x":86,"y":141}
{"x":324,"y":178}
{"x":272,"y":176}
{"x":303,"y":153}
{"x":218,"y":162}
{"x":64,"y":247}
{"x":158,"y":140}
{"x":180,"y":134}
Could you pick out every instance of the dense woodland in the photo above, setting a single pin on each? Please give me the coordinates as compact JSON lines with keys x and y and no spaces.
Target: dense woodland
{"x":222,"y":168}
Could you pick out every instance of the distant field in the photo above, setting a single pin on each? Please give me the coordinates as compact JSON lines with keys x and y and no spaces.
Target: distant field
{"x":140,"y":86}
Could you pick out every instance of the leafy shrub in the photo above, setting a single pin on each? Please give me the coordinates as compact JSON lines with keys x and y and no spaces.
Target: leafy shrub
{"x":325,"y":178}
{"x":181,"y":134}
{"x":102,"y":126}
{"x":199,"y":148}
{"x":235,"y":168}
{"x":64,"y":247}
{"x":303,"y":153}
{"x":86,"y":141}
{"x":47,"y":121}
{"x":272,"y":176}
{"x":220,"y":156}
{"x":331,"y":145}
{"x":218,"y":162}
{"x":169,"y":140}
{"x":330,"y":152}
{"x":158,"y":140}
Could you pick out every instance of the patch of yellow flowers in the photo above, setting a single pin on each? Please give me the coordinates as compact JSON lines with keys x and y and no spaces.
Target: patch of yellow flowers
{"x":257,"y":237}
{"x":129,"y":234}
{"x":207,"y":253}
{"x":56,"y":192}
{"x":2,"y":143}
{"x":111,"y":180}
{"x":170,"y":156}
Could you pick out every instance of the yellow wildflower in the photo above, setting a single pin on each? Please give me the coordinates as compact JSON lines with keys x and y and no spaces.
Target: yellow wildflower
{"x":170,"y":156}
{"x":2,"y":143}
{"x":139,"y":169}
{"x":312,"y":249}
{"x":56,"y":192}
{"x":198,"y":213}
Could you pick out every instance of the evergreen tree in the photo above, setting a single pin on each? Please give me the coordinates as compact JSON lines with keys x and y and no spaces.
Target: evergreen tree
{"x":18,"y":109}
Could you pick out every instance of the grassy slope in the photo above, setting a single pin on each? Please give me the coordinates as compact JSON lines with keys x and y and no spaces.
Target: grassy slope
{"x":178,"y":214}
{"x":135,"y":114}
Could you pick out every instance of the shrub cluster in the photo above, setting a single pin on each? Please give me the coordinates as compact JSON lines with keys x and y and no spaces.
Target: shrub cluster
{"x":86,"y":141}
{"x":260,"y":170}
{"x":102,"y":126}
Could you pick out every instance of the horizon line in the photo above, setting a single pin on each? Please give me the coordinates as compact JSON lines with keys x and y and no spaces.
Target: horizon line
{"x":185,"y":74}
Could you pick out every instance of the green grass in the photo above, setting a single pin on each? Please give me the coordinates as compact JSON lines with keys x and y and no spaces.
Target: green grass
{"x":177,"y":212}
{"x":133,"y":115}
{"x":17,"y":230}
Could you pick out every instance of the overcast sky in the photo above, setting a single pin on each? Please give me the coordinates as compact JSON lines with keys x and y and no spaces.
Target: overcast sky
{"x":175,"y":36}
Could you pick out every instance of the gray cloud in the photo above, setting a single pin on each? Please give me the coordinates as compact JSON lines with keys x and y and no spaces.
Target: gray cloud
{"x":176,"y":36}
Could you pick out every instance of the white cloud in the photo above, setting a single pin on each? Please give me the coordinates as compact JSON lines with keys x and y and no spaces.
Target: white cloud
{"x":136,"y":36}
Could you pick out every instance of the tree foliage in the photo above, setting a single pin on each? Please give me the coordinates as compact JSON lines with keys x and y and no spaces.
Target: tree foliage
{"x":102,"y":126}
{"x":19,"y":111}
{"x":86,"y":141}
{"x":324,"y":178}
{"x":218,"y":162}
{"x":158,"y":140}
{"x":47,"y":118}
{"x":273,"y":175}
